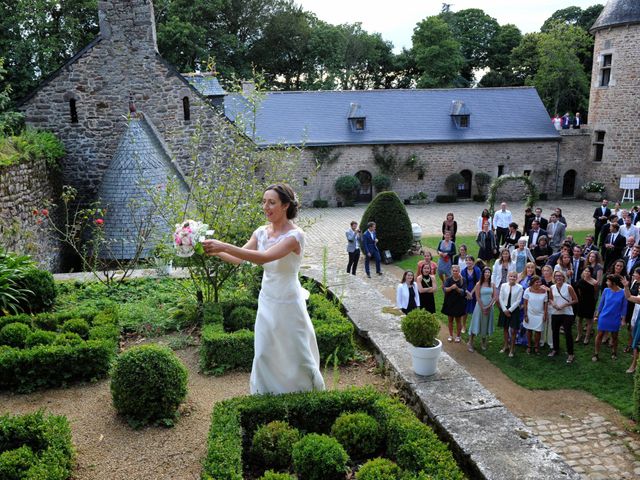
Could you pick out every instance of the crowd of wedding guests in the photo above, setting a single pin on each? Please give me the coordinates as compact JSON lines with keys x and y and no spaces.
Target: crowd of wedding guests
{"x":537,"y":282}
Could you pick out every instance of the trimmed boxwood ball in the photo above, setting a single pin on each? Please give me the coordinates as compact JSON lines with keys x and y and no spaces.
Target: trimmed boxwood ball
{"x":43,"y":288}
{"x":420,"y":328}
{"x":271,"y":475}
{"x":68,"y":338}
{"x":358,"y":433}
{"x":379,"y":469}
{"x":239,"y":318}
{"x":15,"y":463}
{"x":272,"y":444}
{"x":40,"y":337}
{"x":77,"y":325}
{"x":148,"y":383}
{"x":393,"y":227}
{"x":319,"y":457}
{"x":14,"y":335}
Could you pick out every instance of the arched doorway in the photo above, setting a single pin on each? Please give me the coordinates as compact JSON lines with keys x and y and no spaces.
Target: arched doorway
{"x":464,"y":189}
{"x":569,"y":183}
{"x":366,"y":187}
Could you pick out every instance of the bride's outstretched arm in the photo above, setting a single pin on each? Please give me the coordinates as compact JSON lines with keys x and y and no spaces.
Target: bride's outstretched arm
{"x":252,"y":244}
{"x":227,"y":251}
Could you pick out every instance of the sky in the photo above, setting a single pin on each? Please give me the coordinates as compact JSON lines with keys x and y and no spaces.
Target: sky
{"x":396,"y":19}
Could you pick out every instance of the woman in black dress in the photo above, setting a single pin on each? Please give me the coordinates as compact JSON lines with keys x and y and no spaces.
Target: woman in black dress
{"x":511,"y":242}
{"x":451,"y":226}
{"x":455,"y":301}
{"x":541,"y":252}
{"x":427,"y":287}
{"x":486,"y":240}
{"x":587,"y":290}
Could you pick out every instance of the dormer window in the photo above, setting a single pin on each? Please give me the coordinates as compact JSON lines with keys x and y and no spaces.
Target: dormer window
{"x":460,"y":114}
{"x":357,"y":118}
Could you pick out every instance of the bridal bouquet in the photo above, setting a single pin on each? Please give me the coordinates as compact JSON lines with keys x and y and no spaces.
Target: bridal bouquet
{"x":188,"y":237}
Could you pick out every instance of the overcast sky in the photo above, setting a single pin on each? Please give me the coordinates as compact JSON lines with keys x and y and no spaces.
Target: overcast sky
{"x":396,"y":19}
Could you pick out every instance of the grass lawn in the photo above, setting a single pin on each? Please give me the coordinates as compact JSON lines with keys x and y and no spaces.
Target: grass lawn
{"x":605,"y":379}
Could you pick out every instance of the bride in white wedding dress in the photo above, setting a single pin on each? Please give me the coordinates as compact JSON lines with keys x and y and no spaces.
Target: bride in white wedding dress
{"x":286,"y":351}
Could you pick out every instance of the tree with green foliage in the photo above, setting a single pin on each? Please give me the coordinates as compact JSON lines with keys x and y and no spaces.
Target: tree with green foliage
{"x":475,"y":31}
{"x":500,"y":73}
{"x":437,"y":54}
{"x":393,"y":227}
{"x":573,"y":16}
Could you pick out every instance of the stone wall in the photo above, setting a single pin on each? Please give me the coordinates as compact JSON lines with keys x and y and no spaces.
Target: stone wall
{"x":24,"y":187}
{"x":613,"y":109}
{"x":122,"y":61}
{"x":574,"y":152}
{"x":438,"y":160}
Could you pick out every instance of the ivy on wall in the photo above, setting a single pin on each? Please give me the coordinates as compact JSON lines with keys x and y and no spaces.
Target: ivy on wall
{"x":532,"y":190}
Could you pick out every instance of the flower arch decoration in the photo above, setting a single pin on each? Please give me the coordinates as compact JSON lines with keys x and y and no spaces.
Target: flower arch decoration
{"x":532,"y":190}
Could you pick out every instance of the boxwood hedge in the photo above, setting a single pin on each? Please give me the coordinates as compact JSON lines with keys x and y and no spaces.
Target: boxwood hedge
{"x":221,"y":350}
{"x":234,"y":422}
{"x":50,"y":357}
{"x":35,"y":446}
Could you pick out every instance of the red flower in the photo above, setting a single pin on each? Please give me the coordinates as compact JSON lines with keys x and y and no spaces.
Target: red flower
{"x":35,"y":212}
{"x":99,"y":222}
{"x":44,"y":212}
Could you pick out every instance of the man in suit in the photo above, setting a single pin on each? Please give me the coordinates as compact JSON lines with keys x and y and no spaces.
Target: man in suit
{"x":589,"y":246}
{"x":353,"y":247}
{"x":632,"y":261}
{"x":631,"y":241}
{"x":600,"y":217}
{"x":556,"y":232}
{"x":577,"y":121}
{"x":604,"y":231}
{"x":543,"y":221}
{"x":566,"y":121}
{"x":535,"y":233}
{"x":577,"y":264}
{"x":614,"y":245}
{"x":370,"y":245}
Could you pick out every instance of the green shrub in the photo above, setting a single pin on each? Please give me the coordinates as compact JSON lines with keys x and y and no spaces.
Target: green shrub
{"x":445,"y":198}
{"x":35,"y":447}
{"x":46,"y":321}
{"x":381,"y":182}
{"x":14,"y":335}
{"x":320,"y":203}
{"x":212,"y":313}
{"x":240,"y":318}
{"x":68,"y":338}
{"x":148,"y":384}
{"x":420,"y":328}
{"x":20,"y":318}
{"x":77,"y":325}
{"x":347,"y":187}
{"x":359,"y":434}
{"x":14,"y":463}
{"x":319,"y":457}
{"x":379,"y":469}
{"x":43,"y":291}
{"x":393,"y":227}
{"x":40,"y":337}
{"x":452,"y":181}
{"x":271,"y":475}
{"x":272,"y":444}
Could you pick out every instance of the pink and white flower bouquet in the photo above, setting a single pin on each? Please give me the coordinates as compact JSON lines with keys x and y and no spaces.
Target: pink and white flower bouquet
{"x":188,"y":236}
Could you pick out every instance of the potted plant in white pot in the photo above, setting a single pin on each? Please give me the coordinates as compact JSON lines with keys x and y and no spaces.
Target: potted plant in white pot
{"x":420,"y":329}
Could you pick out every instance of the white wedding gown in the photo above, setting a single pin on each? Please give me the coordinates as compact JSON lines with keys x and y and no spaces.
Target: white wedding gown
{"x":286,"y":351}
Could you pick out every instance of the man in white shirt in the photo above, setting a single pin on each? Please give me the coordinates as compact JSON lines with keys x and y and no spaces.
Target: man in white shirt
{"x":501,"y":221}
{"x":629,"y":230}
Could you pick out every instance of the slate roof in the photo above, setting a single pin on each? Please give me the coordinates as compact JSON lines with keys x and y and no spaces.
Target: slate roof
{"x":207,"y":85}
{"x":141,"y":162}
{"x":617,"y":12}
{"x":320,"y":118}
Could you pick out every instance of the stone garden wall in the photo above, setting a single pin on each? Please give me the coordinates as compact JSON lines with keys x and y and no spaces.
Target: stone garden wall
{"x":24,"y":187}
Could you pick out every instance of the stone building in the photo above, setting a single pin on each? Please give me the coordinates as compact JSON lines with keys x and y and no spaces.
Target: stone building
{"x":614,"y":102}
{"x":85,"y":102}
{"x":426,"y":134}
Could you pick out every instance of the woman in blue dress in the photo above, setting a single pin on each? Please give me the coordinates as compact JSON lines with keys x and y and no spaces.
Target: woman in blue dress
{"x":446,"y":251}
{"x":471,"y":274}
{"x":482,"y":318}
{"x":611,"y":314}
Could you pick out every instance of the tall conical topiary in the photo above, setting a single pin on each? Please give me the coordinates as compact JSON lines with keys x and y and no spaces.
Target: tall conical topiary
{"x":392,"y":223}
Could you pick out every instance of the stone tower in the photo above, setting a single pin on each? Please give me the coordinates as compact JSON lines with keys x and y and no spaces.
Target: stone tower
{"x":614,"y":103}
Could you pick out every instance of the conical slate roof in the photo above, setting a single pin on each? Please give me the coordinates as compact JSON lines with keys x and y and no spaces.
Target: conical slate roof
{"x":141,"y":164}
{"x":618,"y":12}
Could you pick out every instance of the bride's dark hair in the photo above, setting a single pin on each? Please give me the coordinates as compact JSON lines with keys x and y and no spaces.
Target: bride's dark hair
{"x":286,"y":195}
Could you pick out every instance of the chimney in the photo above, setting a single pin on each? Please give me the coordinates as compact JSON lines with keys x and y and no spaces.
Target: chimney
{"x":128,"y":21}
{"x":248,"y":88}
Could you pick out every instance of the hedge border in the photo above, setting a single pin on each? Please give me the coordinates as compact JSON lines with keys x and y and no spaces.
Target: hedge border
{"x":51,"y":432}
{"x":222,"y":351}
{"x":48,"y":366}
{"x":316,"y":412}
